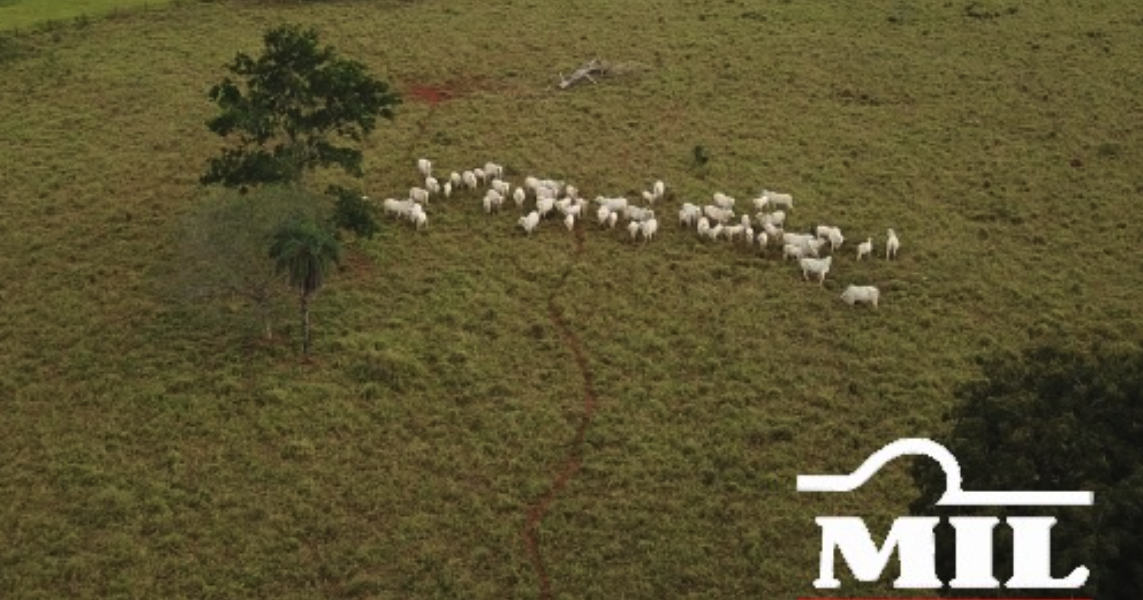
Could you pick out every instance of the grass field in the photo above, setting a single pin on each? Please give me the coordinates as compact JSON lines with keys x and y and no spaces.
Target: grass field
{"x":25,"y":14}
{"x":149,"y":450}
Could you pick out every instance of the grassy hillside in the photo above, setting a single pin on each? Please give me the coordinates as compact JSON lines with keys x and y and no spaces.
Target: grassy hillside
{"x":151,"y":450}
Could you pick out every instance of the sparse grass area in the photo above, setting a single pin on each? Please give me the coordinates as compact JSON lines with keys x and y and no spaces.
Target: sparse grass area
{"x":150,"y":450}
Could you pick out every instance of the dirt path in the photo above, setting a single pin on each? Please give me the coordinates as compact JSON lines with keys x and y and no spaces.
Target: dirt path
{"x":572,"y":461}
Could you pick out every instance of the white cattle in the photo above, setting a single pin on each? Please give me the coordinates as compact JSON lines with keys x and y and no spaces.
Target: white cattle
{"x":419,"y":195}
{"x":892,"y":245}
{"x":775,"y":199}
{"x":721,"y":200}
{"x":530,"y":222}
{"x":861,"y":293}
{"x":817,"y":266}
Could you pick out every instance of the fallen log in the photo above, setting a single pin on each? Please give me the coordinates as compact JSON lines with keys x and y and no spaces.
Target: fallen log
{"x":593,"y":67}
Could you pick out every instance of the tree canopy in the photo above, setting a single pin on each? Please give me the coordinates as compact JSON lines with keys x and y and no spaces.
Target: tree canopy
{"x":291,"y":110}
{"x":1055,"y":418}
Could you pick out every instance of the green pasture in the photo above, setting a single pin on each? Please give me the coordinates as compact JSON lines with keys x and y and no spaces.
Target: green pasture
{"x":151,"y":449}
{"x":19,"y":15}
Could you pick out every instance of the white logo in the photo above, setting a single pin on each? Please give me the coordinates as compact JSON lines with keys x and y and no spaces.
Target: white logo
{"x":914,"y":538}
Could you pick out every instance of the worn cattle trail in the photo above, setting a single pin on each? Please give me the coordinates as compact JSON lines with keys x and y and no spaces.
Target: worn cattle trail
{"x":571,"y":463}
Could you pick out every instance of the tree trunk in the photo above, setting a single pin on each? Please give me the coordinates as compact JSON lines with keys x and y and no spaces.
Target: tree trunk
{"x":305,"y":324}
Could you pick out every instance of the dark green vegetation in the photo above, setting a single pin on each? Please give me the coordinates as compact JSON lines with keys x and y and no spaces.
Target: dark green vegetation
{"x":305,"y":250}
{"x":353,"y":212}
{"x":148,"y":450}
{"x":296,"y":108}
{"x":1056,"y":418}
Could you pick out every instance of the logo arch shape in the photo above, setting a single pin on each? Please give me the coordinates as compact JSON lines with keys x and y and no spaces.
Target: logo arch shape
{"x":954,"y":494}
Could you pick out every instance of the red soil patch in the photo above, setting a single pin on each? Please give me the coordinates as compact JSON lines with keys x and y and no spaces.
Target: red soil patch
{"x":434,"y":94}
{"x":571,"y":463}
{"x":429,"y":94}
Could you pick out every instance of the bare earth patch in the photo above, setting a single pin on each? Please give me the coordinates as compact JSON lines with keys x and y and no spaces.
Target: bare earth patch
{"x":433,"y":94}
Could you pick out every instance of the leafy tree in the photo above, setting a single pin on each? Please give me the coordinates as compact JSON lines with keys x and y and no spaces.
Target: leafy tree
{"x":305,"y":250}
{"x":352,"y":212}
{"x":293,"y":108}
{"x":221,"y":249}
{"x":1054,"y":418}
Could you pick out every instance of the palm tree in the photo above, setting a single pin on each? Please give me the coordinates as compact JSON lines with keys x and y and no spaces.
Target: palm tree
{"x":305,"y":251}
